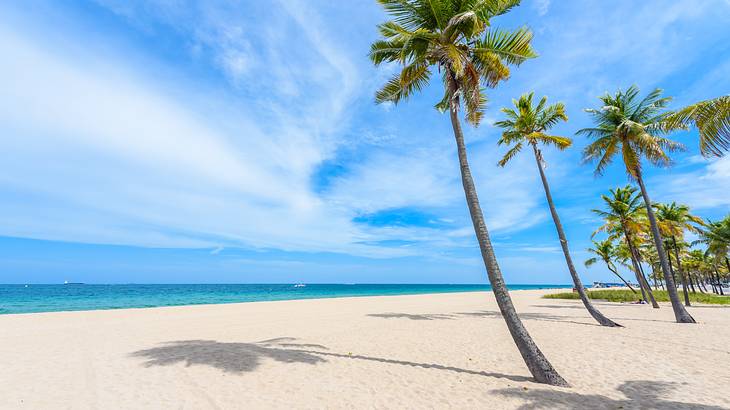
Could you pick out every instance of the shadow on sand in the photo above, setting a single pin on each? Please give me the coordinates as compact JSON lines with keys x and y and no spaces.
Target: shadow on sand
{"x":641,"y":394}
{"x":229,"y":357}
{"x":482,"y":313}
{"x":425,"y":316}
{"x":246,"y":357}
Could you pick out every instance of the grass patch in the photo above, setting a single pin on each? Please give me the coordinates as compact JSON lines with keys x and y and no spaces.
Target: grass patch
{"x":625,"y":295}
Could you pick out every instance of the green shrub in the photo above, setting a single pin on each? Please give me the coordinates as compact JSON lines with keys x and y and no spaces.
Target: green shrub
{"x":625,"y":295}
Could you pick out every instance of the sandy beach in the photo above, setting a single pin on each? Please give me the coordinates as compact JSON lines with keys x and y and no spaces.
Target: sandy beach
{"x":423,"y":351}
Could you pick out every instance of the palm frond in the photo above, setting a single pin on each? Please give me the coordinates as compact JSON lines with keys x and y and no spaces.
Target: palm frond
{"x":510,"y":154}
{"x":411,"y":79}
{"x":712,"y":119}
{"x":512,"y":47}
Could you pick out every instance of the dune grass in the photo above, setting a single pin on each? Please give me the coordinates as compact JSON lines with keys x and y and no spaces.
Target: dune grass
{"x":625,"y":295}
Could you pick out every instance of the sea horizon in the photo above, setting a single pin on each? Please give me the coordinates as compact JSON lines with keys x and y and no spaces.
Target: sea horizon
{"x":59,"y":297}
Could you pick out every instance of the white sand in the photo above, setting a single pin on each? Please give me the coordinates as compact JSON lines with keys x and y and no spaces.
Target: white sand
{"x":426,"y":351}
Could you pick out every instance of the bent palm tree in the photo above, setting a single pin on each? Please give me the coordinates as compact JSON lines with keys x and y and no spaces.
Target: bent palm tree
{"x":622,"y":219}
{"x":454,"y":36}
{"x":634,"y":127}
{"x":528,"y":125}
{"x":711,"y":118}
{"x":674,"y":220}
{"x":606,"y":251}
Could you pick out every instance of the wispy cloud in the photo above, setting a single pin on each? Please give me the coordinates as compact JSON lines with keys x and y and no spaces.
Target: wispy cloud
{"x":542,"y":6}
{"x":209,"y":123}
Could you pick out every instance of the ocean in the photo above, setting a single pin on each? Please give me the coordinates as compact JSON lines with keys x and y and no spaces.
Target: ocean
{"x":69,"y":297}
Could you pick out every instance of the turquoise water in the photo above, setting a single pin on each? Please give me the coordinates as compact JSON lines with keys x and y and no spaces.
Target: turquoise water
{"x":54,"y":298}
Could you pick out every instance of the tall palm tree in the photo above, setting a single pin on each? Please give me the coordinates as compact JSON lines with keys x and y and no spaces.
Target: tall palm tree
{"x":606,"y":251}
{"x":623,"y":219}
{"x":674,"y":220}
{"x":528,"y":124}
{"x":711,"y":118}
{"x":635,"y":127}
{"x":717,"y":239}
{"x":455,"y":37}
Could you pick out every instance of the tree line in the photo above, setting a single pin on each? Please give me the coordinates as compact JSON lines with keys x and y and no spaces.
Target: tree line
{"x":456,"y":38}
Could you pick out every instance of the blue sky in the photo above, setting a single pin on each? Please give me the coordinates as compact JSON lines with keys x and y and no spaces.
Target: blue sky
{"x":237,"y":141}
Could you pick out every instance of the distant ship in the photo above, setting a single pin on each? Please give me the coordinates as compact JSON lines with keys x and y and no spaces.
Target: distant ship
{"x":65,"y":282}
{"x":299,"y":285}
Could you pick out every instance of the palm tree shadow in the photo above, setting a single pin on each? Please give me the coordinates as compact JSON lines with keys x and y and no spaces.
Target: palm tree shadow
{"x":530,"y":316}
{"x":641,"y":394}
{"x":424,"y":316}
{"x":246,"y":357}
{"x":229,"y":357}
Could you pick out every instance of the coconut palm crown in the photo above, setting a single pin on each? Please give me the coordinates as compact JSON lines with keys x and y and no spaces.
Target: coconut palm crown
{"x":632,"y":127}
{"x":528,"y":124}
{"x":623,"y":212}
{"x":675,"y":219}
{"x":455,"y":37}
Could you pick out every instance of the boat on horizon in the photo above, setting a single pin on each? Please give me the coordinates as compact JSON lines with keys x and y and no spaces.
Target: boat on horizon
{"x":65,"y":282}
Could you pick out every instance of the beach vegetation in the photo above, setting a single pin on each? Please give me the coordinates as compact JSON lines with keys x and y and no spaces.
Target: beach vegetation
{"x":627,"y":296}
{"x":634,"y":127}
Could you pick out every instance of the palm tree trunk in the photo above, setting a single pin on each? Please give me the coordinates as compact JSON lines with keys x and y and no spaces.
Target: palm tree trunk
{"x":681,"y":273}
{"x":719,"y":284}
{"x":680,"y":313}
{"x":636,"y":261}
{"x":621,"y":277}
{"x":600,"y":318}
{"x":712,"y":282}
{"x":641,"y":285}
{"x":700,"y":282}
{"x":539,"y":366}
{"x":691,"y":281}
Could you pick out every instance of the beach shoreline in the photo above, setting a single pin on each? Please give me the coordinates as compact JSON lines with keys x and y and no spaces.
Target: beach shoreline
{"x":304,"y":296}
{"x":448,"y":350}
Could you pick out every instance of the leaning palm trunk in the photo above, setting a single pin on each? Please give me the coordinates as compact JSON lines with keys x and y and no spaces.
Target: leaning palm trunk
{"x":719,"y":282}
{"x":643,"y":283}
{"x":680,"y":313}
{"x":622,"y":279}
{"x":600,"y":318}
{"x":536,"y":362}
{"x":681,"y":273}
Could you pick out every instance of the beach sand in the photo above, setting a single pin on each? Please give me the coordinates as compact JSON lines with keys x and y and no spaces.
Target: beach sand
{"x":422,"y":351}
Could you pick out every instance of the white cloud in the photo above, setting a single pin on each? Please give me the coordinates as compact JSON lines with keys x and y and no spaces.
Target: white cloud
{"x":706,"y":188}
{"x":96,"y":152}
{"x":97,"y":148}
{"x":542,"y":6}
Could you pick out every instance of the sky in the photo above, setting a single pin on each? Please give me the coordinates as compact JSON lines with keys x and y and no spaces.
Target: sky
{"x":184,"y":141}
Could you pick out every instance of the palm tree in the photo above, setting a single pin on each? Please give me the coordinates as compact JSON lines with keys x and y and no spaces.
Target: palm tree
{"x":606,"y":251}
{"x":711,"y":118}
{"x":634,"y":127}
{"x":697,"y":261}
{"x":717,"y":239}
{"x":528,"y":125}
{"x":455,"y":36}
{"x":673,"y":221}
{"x":623,"y":219}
